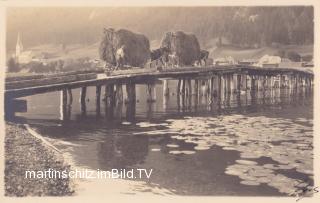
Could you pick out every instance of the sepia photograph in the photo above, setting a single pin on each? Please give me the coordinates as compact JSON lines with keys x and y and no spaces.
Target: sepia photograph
{"x":160,"y":101}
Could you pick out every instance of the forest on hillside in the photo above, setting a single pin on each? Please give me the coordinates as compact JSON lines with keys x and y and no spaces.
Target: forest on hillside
{"x":240,"y":26}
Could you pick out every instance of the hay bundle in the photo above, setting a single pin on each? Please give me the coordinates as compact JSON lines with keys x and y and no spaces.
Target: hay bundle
{"x":185,"y":46}
{"x":136,"y":47}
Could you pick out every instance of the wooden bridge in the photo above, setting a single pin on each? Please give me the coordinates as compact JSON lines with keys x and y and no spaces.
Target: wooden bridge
{"x":212,"y":80}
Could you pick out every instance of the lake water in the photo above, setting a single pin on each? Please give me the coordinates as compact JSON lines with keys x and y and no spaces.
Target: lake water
{"x":244,"y":146}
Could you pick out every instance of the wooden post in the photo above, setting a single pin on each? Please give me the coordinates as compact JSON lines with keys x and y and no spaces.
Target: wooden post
{"x":268,"y":82}
{"x":183,"y":87}
{"x":195,"y":87}
{"x":253,"y":83}
{"x":166,"y":90}
{"x":109,"y":97}
{"x":224,"y":86}
{"x":233,"y":83}
{"x":109,"y":94}
{"x":229,"y":83}
{"x":151,"y":93}
{"x":130,"y":111}
{"x":264,"y":82}
{"x":208,"y":83}
{"x":63,"y":104}
{"x":98,"y":96}
{"x":219,"y":88}
{"x":119,"y":94}
{"x":83,"y":94}
{"x":238,"y":83}
{"x":189,"y":87}
{"x":260,"y":82}
{"x":280,"y":81}
{"x":178,"y":86}
{"x":244,"y":82}
{"x":64,"y":96}
{"x":299,"y":79}
{"x":70,"y":96}
{"x":131,"y":92}
{"x":290,"y":82}
{"x":212,"y":85}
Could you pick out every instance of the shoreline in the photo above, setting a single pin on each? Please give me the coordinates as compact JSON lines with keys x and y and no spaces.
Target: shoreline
{"x":24,"y":151}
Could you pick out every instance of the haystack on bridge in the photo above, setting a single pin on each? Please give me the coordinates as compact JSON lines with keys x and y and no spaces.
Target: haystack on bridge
{"x":120,"y":86}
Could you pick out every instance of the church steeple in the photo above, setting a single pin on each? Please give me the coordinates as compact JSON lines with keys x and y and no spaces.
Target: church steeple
{"x":19,"y":46}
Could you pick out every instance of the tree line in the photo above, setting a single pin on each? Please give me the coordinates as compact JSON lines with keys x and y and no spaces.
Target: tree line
{"x":241,"y":26}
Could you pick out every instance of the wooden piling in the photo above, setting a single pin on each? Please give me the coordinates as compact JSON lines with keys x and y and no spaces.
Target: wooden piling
{"x":151,"y":92}
{"x":131,"y":92}
{"x":244,"y":82}
{"x":269,"y":82}
{"x":70,"y":96}
{"x":208,"y":83}
{"x":219,"y":84}
{"x":64,"y":96}
{"x":253,"y":83}
{"x":259,"y":82}
{"x":183,"y":87}
{"x":98,"y":98}
{"x":229,"y":79}
{"x":188,"y":87}
{"x":83,"y":94}
{"x":195,"y":87}
{"x":63,"y":104}
{"x":119,"y":94}
{"x":109,"y":94}
{"x":178,"y":86}
{"x":280,"y":81}
{"x":166,"y":90}
{"x":234,"y":83}
{"x":264,"y":82}
{"x":238,"y":83}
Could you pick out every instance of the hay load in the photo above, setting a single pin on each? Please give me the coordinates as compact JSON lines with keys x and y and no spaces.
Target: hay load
{"x":123,"y":47}
{"x":184,"y":46}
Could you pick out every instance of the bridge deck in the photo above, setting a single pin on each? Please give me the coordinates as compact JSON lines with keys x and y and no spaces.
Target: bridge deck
{"x":30,"y":87}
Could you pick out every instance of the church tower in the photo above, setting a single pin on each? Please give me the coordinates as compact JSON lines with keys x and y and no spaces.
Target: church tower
{"x":19,"y":47}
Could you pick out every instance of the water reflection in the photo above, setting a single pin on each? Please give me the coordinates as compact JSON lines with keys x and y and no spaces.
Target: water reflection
{"x":248,"y":143}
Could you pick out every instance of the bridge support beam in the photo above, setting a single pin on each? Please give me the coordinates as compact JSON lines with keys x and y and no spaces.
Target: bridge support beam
{"x":178,"y":86}
{"x":166,"y":90}
{"x":63,"y":104}
{"x":214,"y":85}
{"x":280,"y":81}
{"x":204,"y":87}
{"x":131,"y":93}
{"x":229,"y":83}
{"x":253,"y":83}
{"x":243,"y":82}
{"x":70,"y":96}
{"x":151,"y":92}
{"x":264,"y":82}
{"x":268,"y":82}
{"x":183,"y":87}
{"x":83,"y":94}
{"x":259,"y":83}
{"x":233,"y":79}
{"x":98,"y":98}
{"x":119,"y":94}
{"x":188,"y":90}
{"x":238,"y":90}
{"x":195,"y":89}
{"x":109,"y":94}
{"x":219,"y":84}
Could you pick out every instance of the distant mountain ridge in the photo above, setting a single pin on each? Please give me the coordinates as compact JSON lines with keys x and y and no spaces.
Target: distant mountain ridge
{"x":240,"y":26}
